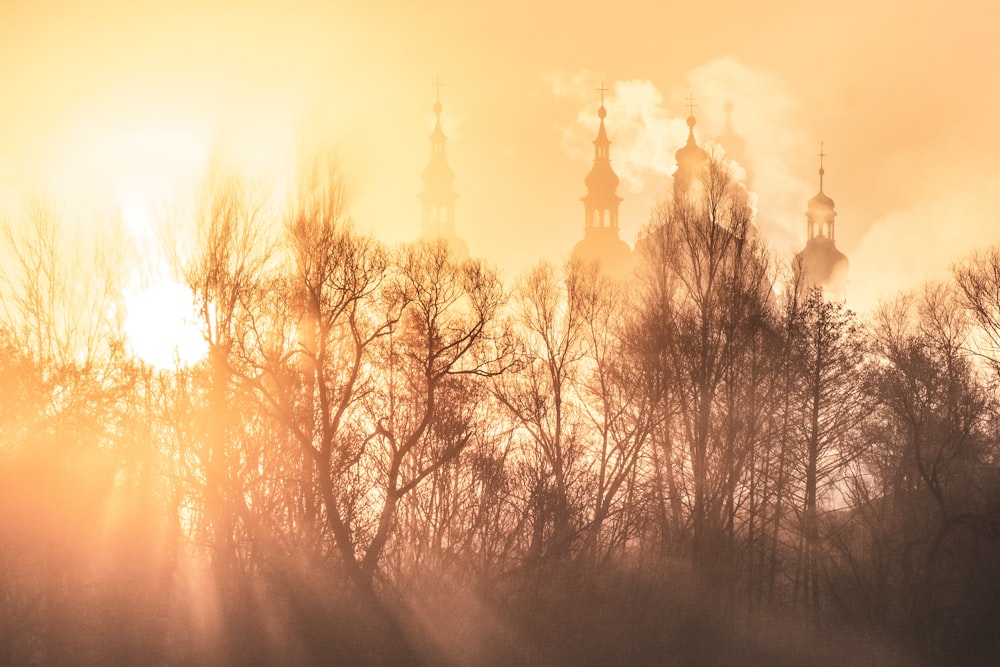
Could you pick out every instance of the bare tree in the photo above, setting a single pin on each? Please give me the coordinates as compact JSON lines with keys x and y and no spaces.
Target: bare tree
{"x":616,"y":397}
{"x":829,"y":405}
{"x":718,"y":297}
{"x":541,"y":399}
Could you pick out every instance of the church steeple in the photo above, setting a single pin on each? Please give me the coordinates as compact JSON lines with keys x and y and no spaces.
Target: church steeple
{"x":821,"y":264}
{"x":438,"y":197}
{"x":690,"y":157}
{"x":601,"y":240}
{"x":600,"y":204}
{"x":820,"y":213}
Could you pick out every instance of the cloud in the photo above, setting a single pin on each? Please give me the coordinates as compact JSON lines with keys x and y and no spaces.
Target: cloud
{"x":647,"y":126}
{"x":644,"y":136}
{"x":780,"y":148}
{"x":908,"y":246}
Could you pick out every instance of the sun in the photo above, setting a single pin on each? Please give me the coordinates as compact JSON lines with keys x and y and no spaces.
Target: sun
{"x":161,"y":328}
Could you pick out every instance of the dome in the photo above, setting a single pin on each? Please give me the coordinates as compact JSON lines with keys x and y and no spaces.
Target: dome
{"x":601,"y":177}
{"x":690,"y":156}
{"x":820,"y":201}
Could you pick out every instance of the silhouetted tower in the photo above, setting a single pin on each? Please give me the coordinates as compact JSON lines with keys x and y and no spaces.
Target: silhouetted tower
{"x":601,"y":241}
{"x":439,"y":197}
{"x":820,"y":264}
{"x":690,"y":158}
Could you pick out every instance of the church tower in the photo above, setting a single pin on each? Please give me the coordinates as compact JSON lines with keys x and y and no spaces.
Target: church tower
{"x":691,"y":158}
{"x":438,"y":197}
{"x":601,"y":241}
{"x":820,"y":264}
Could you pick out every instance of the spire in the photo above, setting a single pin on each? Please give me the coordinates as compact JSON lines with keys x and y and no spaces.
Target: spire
{"x":690,"y":157}
{"x":820,"y":263}
{"x":439,"y":197}
{"x":602,"y":181}
{"x":822,"y":171}
{"x":821,"y":212}
{"x":691,"y":120}
{"x":601,"y":241}
{"x":438,"y":136}
{"x":602,"y":143}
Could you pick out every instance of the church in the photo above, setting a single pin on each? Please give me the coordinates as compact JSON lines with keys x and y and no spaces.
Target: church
{"x":819,"y":264}
{"x":438,"y":197}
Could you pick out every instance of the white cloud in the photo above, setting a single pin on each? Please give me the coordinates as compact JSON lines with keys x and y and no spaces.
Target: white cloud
{"x":647,"y":126}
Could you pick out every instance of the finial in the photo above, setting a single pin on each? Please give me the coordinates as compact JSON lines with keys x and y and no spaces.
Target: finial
{"x":437,"y":104}
{"x":602,"y":112}
{"x":602,"y":90}
{"x":822,"y":171}
{"x":691,"y":107}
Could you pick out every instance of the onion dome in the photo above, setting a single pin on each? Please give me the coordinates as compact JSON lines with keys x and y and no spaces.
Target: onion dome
{"x":821,"y":264}
{"x":820,"y":209}
{"x":690,"y":156}
{"x":821,"y":200}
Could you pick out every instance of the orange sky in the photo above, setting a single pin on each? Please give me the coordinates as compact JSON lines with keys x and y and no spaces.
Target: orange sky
{"x":108,"y":101}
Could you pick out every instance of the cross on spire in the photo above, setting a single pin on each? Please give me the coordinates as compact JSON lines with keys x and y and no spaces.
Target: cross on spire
{"x":822,"y":171}
{"x":691,"y":105}
{"x":602,"y":90}
{"x":437,"y":84}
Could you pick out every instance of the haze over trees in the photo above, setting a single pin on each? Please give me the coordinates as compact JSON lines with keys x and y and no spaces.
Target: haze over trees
{"x":389,"y":455}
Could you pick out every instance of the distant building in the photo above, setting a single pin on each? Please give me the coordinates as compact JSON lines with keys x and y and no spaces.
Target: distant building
{"x":601,"y":241}
{"x":691,"y":159}
{"x":438,"y":197}
{"x":820,"y":264}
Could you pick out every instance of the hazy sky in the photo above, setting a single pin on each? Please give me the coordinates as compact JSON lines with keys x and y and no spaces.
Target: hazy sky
{"x":118,"y":104}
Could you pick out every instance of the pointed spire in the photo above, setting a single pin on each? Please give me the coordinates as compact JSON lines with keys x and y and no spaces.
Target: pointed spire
{"x":601,"y":143}
{"x":690,"y":157}
{"x":822,"y":171}
{"x":691,"y":120}
{"x":438,"y":197}
{"x":437,"y":136}
{"x":820,"y":263}
{"x":821,"y":199}
{"x":820,"y":210}
{"x":437,"y":85}
{"x":601,"y":241}
{"x":602,"y":177}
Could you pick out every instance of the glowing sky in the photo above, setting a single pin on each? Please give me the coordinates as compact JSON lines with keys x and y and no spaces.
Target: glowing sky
{"x":103,"y":103}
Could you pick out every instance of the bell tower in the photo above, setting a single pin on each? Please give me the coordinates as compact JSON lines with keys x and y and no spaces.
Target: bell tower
{"x":601,"y":241}
{"x":690,"y":158}
{"x":438,"y":197}
{"x":821,"y":264}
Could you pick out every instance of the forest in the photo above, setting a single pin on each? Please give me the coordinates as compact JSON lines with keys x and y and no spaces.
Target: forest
{"x":391,"y":456}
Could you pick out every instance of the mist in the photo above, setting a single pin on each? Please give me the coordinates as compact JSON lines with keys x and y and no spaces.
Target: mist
{"x":287,"y":376}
